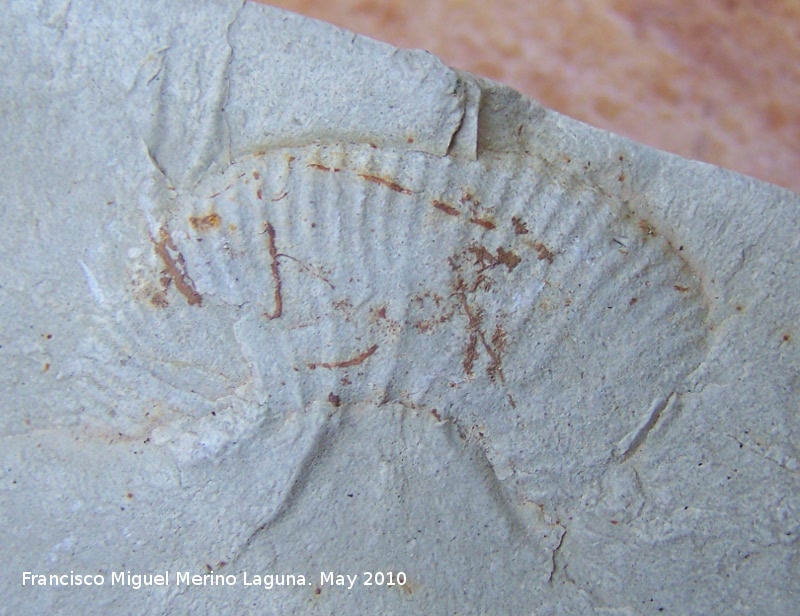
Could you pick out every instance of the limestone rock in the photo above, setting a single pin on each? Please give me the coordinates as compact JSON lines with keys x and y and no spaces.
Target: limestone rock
{"x":282,"y":304}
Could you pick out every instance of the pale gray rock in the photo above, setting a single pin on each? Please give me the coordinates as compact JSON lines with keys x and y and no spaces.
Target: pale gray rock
{"x":281,"y":300}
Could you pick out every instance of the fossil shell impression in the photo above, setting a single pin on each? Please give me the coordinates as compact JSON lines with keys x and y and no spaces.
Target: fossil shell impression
{"x":481,"y":291}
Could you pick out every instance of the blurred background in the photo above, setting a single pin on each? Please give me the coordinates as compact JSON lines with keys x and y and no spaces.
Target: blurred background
{"x":717,"y":80}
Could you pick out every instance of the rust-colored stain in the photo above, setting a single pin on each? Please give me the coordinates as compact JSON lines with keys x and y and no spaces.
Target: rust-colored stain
{"x":316,"y":272}
{"x":508,"y":258}
{"x":228,"y":187}
{"x":420,"y":298}
{"x":543,"y":252}
{"x":477,"y":276}
{"x":520,"y":227}
{"x":483,"y":222}
{"x":632,"y":301}
{"x":470,"y":354}
{"x":334,"y":400}
{"x":210,"y":221}
{"x":444,"y":207}
{"x":175,"y":267}
{"x":259,"y":195}
{"x":499,"y":345}
{"x":647,"y":228}
{"x":467,"y":196}
{"x":276,"y":274}
{"x":46,"y":367}
{"x":487,"y":260}
{"x":482,"y":255}
{"x":786,"y":337}
{"x":256,"y":175}
{"x":477,"y":335}
{"x":388,"y":183}
{"x":159,"y":298}
{"x":681,"y":289}
{"x":345,"y":305}
{"x":348,"y":363}
{"x":281,"y":196}
{"x":426,"y":325}
{"x":323,"y":168}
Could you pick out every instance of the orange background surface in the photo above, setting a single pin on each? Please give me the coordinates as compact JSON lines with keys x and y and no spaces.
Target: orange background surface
{"x":717,"y":80}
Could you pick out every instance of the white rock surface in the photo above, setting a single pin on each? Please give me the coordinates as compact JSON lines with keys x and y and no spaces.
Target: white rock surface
{"x":277,"y":299}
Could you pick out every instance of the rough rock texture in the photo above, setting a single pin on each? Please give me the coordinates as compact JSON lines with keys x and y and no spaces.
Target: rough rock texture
{"x":715,"y":81}
{"x":280,"y":300}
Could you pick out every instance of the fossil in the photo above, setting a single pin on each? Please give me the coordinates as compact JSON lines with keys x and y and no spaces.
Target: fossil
{"x":485,"y":292}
